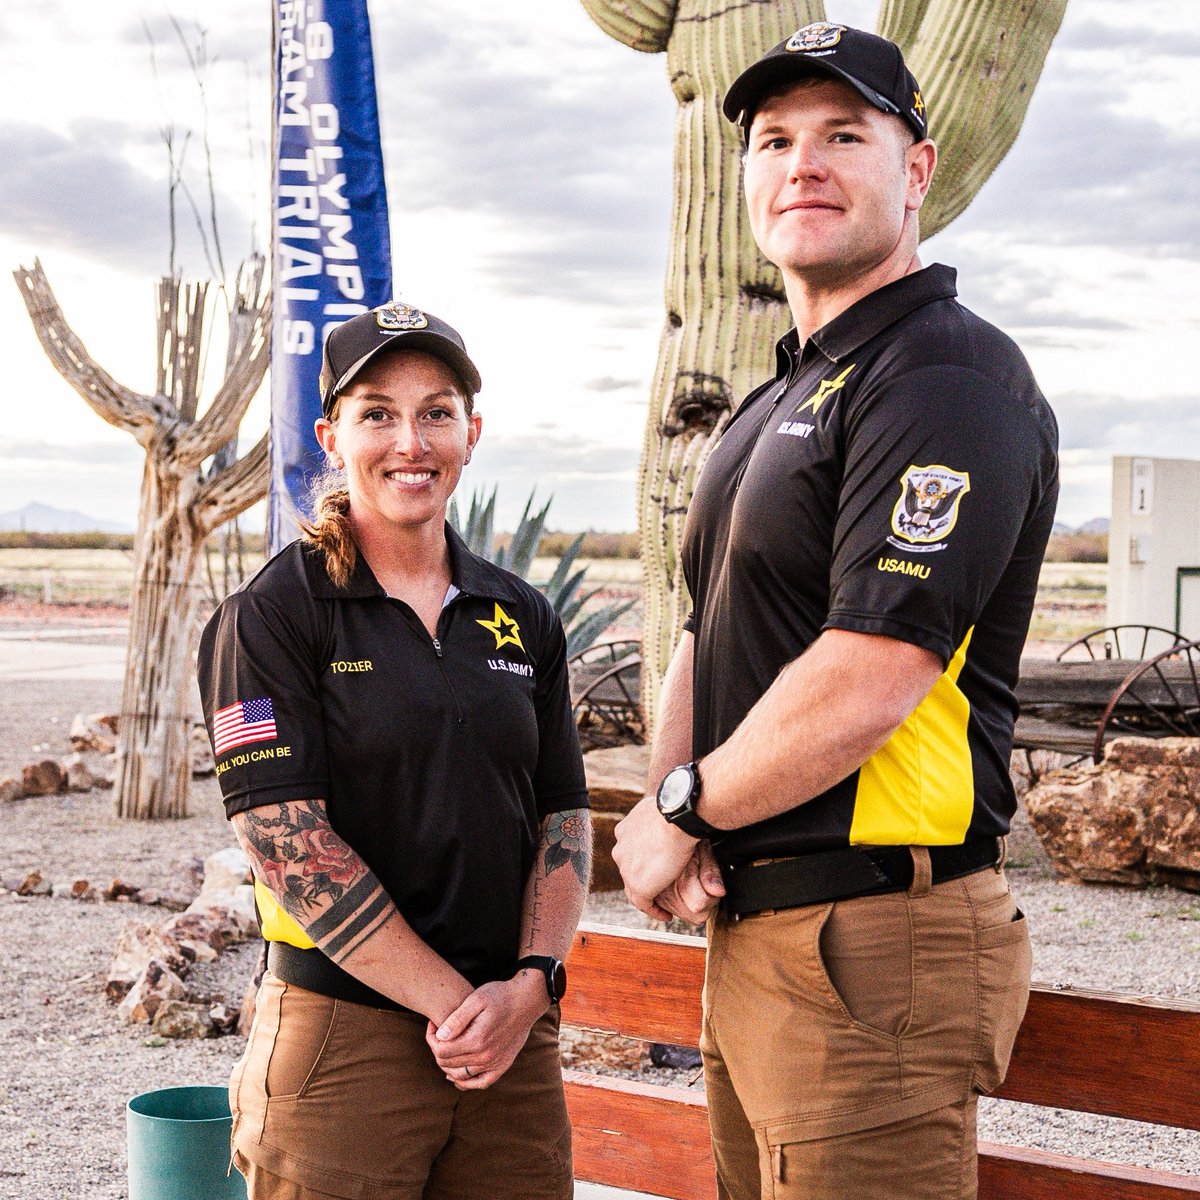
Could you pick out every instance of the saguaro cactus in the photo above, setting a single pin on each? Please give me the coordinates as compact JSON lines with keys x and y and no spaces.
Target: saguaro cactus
{"x":978,"y":62}
{"x":180,"y":506}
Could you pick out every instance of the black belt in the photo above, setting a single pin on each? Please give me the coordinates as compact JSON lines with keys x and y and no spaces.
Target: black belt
{"x":315,"y":972}
{"x":844,"y":873}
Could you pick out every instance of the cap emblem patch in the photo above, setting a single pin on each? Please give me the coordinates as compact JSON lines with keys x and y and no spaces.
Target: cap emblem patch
{"x":397,"y":317}
{"x":820,"y":35}
{"x":928,"y":506}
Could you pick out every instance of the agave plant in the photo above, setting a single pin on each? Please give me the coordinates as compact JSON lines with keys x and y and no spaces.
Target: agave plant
{"x":562,"y":589}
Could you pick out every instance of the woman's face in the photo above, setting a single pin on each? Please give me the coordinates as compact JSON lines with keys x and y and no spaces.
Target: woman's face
{"x":402,"y":433}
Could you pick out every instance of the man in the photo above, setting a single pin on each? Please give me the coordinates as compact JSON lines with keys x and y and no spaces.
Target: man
{"x":862,"y":552}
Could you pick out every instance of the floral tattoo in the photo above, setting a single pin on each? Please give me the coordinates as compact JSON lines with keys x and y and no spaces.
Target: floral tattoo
{"x":569,"y":841}
{"x":316,"y":877}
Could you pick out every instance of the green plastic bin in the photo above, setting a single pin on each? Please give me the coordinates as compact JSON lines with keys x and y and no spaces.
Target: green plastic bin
{"x":179,"y":1145}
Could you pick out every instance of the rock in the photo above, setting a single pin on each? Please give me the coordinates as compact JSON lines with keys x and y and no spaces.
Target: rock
{"x":616,"y":778}
{"x":1131,"y":819}
{"x":234,"y":908}
{"x":224,"y":1018}
{"x":78,"y":774}
{"x":228,"y":868}
{"x":43,"y":778}
{"x":203,"y":763}
{"x":584,"y":1048}
{"x":34,"y":885}
{"x":151,"y":990}
{"x":183,"y":1019}
{"x":96,"y":732}
{"x":104,"y":773}
{"x":139,"y":945}
{"x":183,"y":886}
{"x":117,"y":890}
{"x":10,"y":789}
{"x":200,"y":930}
{"x":616,"y":781}
{"x":79,"y":890}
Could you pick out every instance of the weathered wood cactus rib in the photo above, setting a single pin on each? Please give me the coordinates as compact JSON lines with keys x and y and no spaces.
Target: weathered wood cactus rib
{"x":978,"y":61}
{"x":178,"y":509}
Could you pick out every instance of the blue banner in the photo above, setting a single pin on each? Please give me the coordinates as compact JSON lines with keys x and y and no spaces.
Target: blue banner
{"x":332,"y":251}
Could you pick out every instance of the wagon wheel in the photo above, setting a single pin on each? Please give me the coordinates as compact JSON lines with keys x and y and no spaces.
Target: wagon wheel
{"x":600,"y":652}
{"x":612,"y":699}
{"x":1135,"y":642}
{"x":1149,"y":703}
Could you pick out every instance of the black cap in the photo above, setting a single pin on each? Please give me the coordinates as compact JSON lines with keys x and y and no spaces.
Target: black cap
{"x":871,"y":65}
{"x":354,"y":343}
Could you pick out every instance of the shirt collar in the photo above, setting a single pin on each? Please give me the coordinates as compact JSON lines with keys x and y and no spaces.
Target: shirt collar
{"x":471,"y":574}
{"x":870,"y":316}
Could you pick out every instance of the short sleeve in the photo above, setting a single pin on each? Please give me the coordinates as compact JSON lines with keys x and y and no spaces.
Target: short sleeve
{"x":943,"y":470}
{"x":259,"y":692}
{"x":558,"y":781}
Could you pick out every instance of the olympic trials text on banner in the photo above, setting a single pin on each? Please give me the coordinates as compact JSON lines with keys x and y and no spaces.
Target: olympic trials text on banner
{"x":332,"y":251}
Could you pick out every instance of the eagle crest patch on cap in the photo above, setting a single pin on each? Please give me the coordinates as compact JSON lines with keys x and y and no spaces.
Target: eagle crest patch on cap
{"x":820,"y":35}
{"x":928,"y":506}
{"x":397,"y":316}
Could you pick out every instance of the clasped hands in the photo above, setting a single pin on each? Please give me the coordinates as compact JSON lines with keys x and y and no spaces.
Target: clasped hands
{"x":666,"y":872}
{"x":478,"y":1042}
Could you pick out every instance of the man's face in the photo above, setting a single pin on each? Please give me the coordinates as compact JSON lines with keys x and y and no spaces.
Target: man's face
{"x":829,"y":181}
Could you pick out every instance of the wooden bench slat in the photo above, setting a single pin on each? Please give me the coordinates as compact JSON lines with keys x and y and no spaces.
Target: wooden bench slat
{"x":1016,"y":1173}
{"x":640,"y":1136}
{"x":1114,"y":1056}
{"x":645,"y":1137}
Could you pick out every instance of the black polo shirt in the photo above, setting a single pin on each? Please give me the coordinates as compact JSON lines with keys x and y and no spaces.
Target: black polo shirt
{"x":437,"y":757}
{"x":897,"y":477}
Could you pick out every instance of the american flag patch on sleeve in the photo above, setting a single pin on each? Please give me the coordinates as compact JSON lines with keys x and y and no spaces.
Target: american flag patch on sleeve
{"x":245,"y":721}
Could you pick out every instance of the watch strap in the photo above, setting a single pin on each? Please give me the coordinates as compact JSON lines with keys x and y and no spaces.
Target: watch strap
{"x":549,"y":967}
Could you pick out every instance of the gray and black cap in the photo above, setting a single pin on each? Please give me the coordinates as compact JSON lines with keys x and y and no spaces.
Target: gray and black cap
{"x":354,"y":343}
{"x":871,"y":65}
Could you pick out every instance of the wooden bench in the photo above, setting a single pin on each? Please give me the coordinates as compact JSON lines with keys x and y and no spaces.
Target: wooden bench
{"x":1115,"y":1056}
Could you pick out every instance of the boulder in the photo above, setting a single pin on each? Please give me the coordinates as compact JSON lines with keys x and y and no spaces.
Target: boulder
{"x":228,"y":868}
{"x":43,"y":778}
{"x":95,"y":732}
{"x":78,"y":774}
{"x":139,"y":945}
{"x":233,"y":908}
{"x":151,"y":990}
{"x":224,"y":1018}
{"x":616,"y":781}
{"x":120,"y":890}
{"x":10,"y":789}
{"x":183,"y":1019}
{"x":34,"y":884}
{"x":1131,"y":819}
{"x":183,"y":886}
{"x":202,"y":931}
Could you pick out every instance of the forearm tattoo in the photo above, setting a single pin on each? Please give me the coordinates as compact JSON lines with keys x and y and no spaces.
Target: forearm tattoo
{"x":318,"y":879}
{"x":568,"y":841}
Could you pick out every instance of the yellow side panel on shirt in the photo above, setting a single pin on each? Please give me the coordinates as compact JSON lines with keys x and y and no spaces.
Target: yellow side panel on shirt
{"x":277,"y":926}
{"x":918,"y":789}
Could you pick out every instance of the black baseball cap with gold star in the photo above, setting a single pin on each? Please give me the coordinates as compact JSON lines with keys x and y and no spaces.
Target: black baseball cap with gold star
{"x":871,"y":65}
{"x":354,"y":343}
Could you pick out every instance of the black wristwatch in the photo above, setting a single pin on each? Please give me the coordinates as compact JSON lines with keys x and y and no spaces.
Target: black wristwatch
{"x":678,"y":795}
{"x":553,"y":970}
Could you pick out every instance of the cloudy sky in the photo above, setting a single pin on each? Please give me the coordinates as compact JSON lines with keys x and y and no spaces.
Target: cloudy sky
{"x":529,"y":173}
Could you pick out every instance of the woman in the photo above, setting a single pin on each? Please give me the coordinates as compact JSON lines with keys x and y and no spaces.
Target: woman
{"x":392,"y":727}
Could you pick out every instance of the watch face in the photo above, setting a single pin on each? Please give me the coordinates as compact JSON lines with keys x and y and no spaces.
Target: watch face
{"x":559,"y":981}
{"x":675,"y":791}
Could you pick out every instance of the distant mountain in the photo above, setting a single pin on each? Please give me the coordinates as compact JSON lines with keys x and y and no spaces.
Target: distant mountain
{"x":1095,"y":525}
{"x":1059,"y":528}
{"x":41,"y":518}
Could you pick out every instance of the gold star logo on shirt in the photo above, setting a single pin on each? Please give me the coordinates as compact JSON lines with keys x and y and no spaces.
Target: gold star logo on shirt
{"x":824,"y":391}
{"x":507,"y":631}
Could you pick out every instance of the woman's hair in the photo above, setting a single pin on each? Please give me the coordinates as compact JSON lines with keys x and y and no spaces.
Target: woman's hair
{"x":330,"y":525}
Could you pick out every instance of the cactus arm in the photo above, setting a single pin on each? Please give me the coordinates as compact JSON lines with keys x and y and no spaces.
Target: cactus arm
{"x":644,"y":25}
{"x":978,"y":62}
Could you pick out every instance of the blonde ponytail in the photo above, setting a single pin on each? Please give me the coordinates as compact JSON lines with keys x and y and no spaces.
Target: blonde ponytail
{"x":330,"y":529}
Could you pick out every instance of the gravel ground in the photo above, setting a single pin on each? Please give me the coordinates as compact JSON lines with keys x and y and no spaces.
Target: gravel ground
{"x":67,"y":1065}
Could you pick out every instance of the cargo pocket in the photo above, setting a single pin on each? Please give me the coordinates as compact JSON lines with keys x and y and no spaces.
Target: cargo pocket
{"x":1003,"y":964}
{"x":305,"y":1023}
